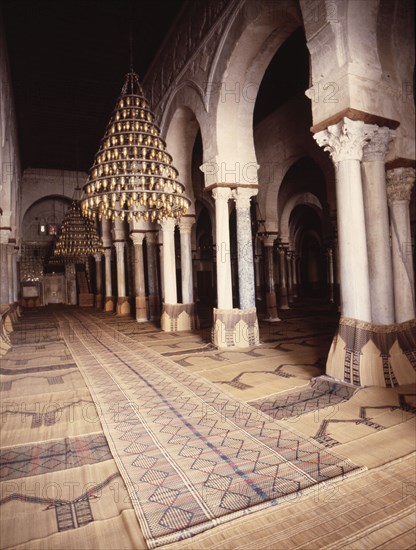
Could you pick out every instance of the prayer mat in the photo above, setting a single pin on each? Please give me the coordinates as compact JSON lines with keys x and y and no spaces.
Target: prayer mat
{"x":191,"y":456}
{"x":321,"y":392}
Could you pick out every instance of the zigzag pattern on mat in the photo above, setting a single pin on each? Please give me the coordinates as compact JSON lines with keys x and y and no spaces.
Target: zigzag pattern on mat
{"x":323,"y":434}
{"x":320,"y":393}
{"x":190,"y":455}
{"x":70,"y":514}
{"x":52,"y":456}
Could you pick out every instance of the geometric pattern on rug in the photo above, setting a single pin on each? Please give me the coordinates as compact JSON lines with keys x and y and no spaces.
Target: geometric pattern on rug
{"x":191,"y":456}
{"x":52,"y":456}
{"x":50,"y":414}
{"x":323,"y":435}
{"x":320,"y":393}
{"x":70,"y":514}
{"x":236,"y":382}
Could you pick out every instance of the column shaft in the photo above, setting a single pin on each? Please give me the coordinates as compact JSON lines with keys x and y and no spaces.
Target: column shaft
{"x":98,"y":281}
{"x":152,"y":274}
{"x":186,"y":260}
{"x":283,"y":299}
{"x":169,"y":264}
{"x":400,"y":183}
{"x":139,"y":279}
{"x":377,"y":228}
{"x":223,"y":252}
{"x":345,"y":142}
{"x":245,"y":249}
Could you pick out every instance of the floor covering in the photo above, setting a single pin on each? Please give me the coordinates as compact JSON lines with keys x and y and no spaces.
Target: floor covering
{"x":105,"y":420}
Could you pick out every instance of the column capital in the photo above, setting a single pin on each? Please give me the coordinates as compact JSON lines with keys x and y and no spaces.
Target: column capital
{"x":107,"y":252}
{"x":221,"y":193}
{"x":242,"y":196}
{"x":185,"y":224}
{"x":399,"y":184}
{"x":119,"y":245}
{"x":345,"y":140}
{"x":168,"y":224}
{"x":137,"y":238}
{"x":269,"y":239}
{"x":377,"y":146}
{"x":97,"y":257}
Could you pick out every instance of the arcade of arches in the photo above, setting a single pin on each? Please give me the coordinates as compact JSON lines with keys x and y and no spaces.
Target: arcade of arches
{"x":291,"y":124}
{"x":295,"y":145}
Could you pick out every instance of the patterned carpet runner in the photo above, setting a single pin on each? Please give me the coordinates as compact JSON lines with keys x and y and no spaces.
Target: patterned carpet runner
{"x":191,"y":456}
{"x":321,"y":392}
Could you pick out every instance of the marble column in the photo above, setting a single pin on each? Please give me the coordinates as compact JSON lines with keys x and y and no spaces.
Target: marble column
{"x":294,"y":275}
{"x":247,"y":293}
{"x":399,"y":187}
{"x":289,"y":255}
{"x":268,"y":243}
{"x":169,"y":263}
{"x":71,"y":284}
{"x":123,"y":306}
{"x":223,"y":251}
{"x":377,"y":226}
{"x":185,"y":227}
{"x":283,"y":297}
{"x":330,"y":259}
{"x":10,"y":253}
{"x":139,"y":281}
{"x":154,"y":302}
{"x":109,"y":298}
{"x":4,"y":274}
{"x":98,"y":281}
{"x":16,"y":285}
{"x":345,"y":142}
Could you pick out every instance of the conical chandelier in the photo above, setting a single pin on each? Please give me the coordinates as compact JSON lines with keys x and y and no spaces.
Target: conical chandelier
{"x":132,"y":176}
{"x":78,"y":236}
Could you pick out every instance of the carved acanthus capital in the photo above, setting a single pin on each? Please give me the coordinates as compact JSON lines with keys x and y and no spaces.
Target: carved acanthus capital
{"x":242,"y":196}
{"x":221,"y":194}
{"x":399,"y":184}
{"x":168,"y":225}
{"x":185,"y":225}
{"x":376,"y":148}
{"x":137,"y":238}
{"x":345,"y":140}
{"x":97,"y":257}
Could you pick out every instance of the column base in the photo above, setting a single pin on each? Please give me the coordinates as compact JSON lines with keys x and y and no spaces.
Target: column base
{"x":123,"y":306}
{"x":235,"y":328}
{"x":6,"y":327}
{"x":154,"y":307}
{"x":178,"y":317}
{"x":365,"y":354}
{"x":271,"y":308}
{"x":141,"y":309}
{"x":109,"y":303}
{"x":99,"y":301}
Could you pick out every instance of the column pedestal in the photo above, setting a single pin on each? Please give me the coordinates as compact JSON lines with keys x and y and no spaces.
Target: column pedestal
{"x":235,"y":328}
{"x":123,"y":306}
{"x":366,"y":354}
{"x":178,"y":317}
{"x":109,"y":304}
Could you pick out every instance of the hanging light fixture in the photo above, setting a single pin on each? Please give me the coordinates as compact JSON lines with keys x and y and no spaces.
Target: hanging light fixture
{"x":132,"y":176}
{"x":78,"y":236}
